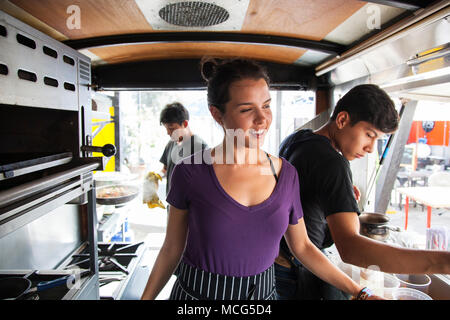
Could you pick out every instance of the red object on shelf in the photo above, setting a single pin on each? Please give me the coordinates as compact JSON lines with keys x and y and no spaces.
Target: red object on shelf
{"x":439,"y":136}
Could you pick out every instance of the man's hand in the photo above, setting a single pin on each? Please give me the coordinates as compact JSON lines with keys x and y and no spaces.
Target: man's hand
{"x":164,"y":171}
{"x":357,"y":193}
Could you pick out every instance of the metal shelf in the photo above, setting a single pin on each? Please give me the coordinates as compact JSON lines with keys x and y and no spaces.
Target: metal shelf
{"x":15,"y":168}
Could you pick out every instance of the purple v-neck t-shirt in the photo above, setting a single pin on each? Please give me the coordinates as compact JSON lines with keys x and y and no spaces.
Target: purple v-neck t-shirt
{"x":224,"y":236}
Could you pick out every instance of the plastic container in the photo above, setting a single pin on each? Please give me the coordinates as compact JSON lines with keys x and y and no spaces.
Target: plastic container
{"x":350,"y":270}
{"x":390,"y":283}
{"x":419,"y":282}
{"x":438,"y":236}
{"x":372,"y":278}
{"x":409,"y":294}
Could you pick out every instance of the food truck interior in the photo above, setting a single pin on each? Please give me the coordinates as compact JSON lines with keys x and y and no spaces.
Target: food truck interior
{"x":82,"y":84}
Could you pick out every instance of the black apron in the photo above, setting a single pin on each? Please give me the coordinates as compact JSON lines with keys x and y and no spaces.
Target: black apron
{"x":196,"y":284}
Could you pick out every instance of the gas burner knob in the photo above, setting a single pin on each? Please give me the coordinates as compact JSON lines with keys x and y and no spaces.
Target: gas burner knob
{"x":108,"y":150}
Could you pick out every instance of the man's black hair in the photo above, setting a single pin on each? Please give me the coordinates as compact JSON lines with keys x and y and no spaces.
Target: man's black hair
{"x":174,"y":113}
{"x":368,"y":102}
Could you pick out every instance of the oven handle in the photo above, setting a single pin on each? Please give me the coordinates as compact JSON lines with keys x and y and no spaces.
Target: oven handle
{"x":28,"y":189}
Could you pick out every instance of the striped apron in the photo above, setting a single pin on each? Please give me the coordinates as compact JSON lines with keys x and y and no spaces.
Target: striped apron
{"x":197,"y":284}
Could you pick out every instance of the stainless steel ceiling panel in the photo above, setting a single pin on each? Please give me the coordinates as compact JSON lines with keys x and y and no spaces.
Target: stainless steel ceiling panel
{"x":389,"y":61}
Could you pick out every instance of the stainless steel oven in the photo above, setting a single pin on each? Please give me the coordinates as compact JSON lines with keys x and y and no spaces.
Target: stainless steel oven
{"x":47,"y":193}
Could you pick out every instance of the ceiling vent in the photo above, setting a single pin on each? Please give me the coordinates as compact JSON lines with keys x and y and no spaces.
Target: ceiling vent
{"x":193,"y":14}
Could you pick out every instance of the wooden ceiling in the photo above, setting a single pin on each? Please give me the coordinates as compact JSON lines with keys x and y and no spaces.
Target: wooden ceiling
{"x":97,"y":17}
{"x":161,"y":51}
{"x":299,"y":19}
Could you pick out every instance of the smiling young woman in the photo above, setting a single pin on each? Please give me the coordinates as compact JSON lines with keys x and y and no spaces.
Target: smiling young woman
{"x":228,"y":214}
{"x":239,"y":164}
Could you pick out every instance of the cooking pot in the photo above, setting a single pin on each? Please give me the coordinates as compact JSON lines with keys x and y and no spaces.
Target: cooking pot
{"x":375,"y":225}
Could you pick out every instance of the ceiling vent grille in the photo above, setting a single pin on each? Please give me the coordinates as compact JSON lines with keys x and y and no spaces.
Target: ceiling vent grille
{"x":193,"y":14}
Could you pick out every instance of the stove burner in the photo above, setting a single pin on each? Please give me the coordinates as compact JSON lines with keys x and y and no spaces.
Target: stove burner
{"x":111,"y":257}
{"x":111,"y":264}
{"x":116,"y":248}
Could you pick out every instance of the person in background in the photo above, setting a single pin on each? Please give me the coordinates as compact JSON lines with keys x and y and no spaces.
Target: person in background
{"x":229,"y":212}
{"x":329,"y":198}
{"x":175,"y":118}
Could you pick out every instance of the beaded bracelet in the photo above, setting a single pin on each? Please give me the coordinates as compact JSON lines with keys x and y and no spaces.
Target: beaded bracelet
{"x":364,"y":294}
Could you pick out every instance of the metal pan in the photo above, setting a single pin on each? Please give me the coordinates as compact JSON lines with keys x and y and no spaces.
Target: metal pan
{"x":375,"y":225}
{"x":14,"y":288}
{"x":373,"y":218}
{"x":130,"y":192}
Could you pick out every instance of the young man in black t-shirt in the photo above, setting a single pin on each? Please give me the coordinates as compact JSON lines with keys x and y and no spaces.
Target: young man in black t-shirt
{"x":329,"y":198}
{"x":175,"y":118}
